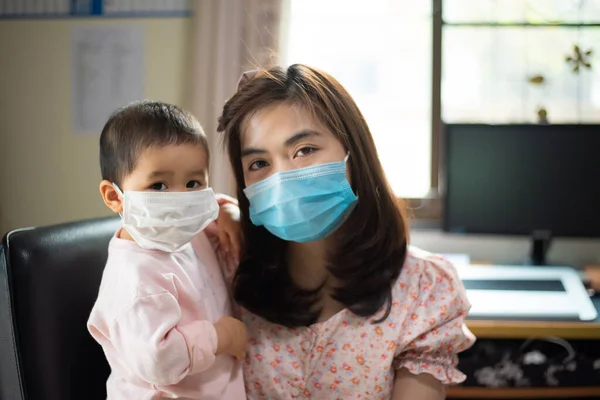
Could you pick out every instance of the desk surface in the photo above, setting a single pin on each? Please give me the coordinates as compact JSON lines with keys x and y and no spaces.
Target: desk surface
{"x":528,"y":329}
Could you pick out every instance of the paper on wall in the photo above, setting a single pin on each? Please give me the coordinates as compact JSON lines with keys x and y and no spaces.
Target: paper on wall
{"x":107,"y":72}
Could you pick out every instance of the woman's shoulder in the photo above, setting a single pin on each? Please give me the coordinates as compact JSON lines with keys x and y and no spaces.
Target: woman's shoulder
{"x":421,"y":264}
{"x":429,"y":306}
{"x":415,"y":254}
{"x":429,"y":279}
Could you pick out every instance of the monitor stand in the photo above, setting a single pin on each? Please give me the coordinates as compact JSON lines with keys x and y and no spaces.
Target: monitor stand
{"x":540,"y":243}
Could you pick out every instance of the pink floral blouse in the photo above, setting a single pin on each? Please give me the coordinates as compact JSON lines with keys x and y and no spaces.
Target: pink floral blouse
{"x":349,"y":357}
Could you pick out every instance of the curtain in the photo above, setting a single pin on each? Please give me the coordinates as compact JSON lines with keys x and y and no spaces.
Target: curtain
{"x":229,"y":37}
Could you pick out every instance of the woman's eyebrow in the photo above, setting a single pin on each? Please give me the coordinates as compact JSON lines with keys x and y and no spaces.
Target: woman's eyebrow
{"x":295,"y":138}
{"x":248,"y":151}
{"x":303,"y":134}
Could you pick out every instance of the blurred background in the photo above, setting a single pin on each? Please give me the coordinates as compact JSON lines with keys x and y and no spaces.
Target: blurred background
{"x":412,"y":66}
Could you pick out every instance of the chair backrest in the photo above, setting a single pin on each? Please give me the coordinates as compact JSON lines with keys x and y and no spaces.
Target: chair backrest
{"x":49,"y":280}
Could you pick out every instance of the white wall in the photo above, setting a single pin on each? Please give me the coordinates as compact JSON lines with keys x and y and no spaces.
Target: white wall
{"x":48,"y":173}
{"x":507,"y":249}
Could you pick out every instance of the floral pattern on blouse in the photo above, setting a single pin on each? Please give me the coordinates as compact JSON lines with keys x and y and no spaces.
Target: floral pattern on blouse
{"x":350,"y":357}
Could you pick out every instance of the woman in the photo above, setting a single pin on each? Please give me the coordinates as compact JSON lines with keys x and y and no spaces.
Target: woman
{"x":337,"y":305}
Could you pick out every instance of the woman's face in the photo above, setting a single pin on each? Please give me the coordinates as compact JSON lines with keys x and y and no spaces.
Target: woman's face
{"x":283,"y":137}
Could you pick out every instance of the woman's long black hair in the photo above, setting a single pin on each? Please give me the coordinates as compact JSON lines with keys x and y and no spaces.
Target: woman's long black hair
{"x":371,"y":245}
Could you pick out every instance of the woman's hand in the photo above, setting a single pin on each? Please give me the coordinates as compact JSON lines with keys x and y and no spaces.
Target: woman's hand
{"x":229,"y":229}
{"x":408,"y":386}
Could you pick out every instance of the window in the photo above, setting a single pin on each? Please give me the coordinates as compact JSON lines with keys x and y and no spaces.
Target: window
{"x":380,"y":50}
{"x":411,"y":64}
{"x":505,"y":60}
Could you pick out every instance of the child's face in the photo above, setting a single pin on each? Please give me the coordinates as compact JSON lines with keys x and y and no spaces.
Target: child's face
{"x":176,"y":168}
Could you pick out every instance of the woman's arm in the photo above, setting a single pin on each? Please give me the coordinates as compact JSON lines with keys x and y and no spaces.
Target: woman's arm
{"x":426,"y":360}
{"x":408,"y":386}
{"x":228,"y":226}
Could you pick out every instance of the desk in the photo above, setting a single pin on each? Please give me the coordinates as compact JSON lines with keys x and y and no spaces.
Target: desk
{"x":526,"y":330}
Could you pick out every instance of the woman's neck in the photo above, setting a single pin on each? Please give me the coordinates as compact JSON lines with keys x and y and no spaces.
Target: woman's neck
{"x":308,"y":263}
{"x":308,"y":269}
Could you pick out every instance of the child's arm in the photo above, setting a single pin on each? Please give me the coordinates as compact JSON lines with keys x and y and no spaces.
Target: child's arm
{"x":152,"y":343}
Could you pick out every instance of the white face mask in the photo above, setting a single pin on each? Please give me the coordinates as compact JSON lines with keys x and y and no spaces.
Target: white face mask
{"x":167,"y":220}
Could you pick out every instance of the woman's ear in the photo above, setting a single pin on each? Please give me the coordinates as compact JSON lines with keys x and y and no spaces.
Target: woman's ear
{"x":111,"y":197}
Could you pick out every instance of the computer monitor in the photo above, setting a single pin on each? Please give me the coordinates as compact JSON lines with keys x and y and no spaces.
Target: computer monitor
{"x":538,"y":180}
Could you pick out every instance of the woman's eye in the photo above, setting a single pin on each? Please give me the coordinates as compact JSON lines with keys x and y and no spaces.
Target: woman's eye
{"x":305,"y":151}
{"x":193,"y":185}
{"x":257,"y":165}
{"x":158,"y":186}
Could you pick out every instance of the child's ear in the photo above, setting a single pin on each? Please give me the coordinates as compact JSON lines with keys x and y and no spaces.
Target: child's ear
{"x":111,"y":197}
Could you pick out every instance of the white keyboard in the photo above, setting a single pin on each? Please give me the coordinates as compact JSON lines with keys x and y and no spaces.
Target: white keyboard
{"x":526,"y":292}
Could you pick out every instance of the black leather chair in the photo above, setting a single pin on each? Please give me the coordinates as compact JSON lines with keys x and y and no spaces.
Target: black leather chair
{"x":49,"y":279}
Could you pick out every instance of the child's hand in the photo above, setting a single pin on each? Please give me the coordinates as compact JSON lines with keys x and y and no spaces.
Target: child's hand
{"x":230,"y":232}
{"x":232,"y":337}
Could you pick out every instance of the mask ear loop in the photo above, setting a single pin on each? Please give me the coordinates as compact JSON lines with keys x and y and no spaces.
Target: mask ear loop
{"x":120,"y":192}
{"x":346,"y":161}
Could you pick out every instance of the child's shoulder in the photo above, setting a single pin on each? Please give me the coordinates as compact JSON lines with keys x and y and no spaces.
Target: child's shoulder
{"x":206,"y":246}
{"x":123,"y":252}
{"x":203,"y":241}
{"x":132,"y":271}
{"x":209,"y":250}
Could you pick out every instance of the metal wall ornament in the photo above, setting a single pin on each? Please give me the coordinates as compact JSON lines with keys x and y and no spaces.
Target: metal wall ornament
{"x":579,"y":59}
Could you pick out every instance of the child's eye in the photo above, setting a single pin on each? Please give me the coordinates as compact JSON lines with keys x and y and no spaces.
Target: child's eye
{"x":256,"y":165}
{"x":194,"y":185}
{"x":305,"y":151}
{"x":158,"y":186}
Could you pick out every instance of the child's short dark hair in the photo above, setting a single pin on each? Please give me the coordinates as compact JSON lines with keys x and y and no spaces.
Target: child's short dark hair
{"x":140,"y":125}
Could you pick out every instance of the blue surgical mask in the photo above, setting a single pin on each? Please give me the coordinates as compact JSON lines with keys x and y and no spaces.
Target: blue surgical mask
{"x":304,"y":204}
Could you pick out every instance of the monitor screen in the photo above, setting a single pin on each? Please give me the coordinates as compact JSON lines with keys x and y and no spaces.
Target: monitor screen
{"x":517,"y":179}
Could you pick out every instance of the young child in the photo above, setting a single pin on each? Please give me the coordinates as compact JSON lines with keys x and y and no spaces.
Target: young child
{"x":163,"y":313}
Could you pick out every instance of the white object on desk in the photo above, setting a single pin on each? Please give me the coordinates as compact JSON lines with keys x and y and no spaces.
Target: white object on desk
{"x":572,"y":302}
